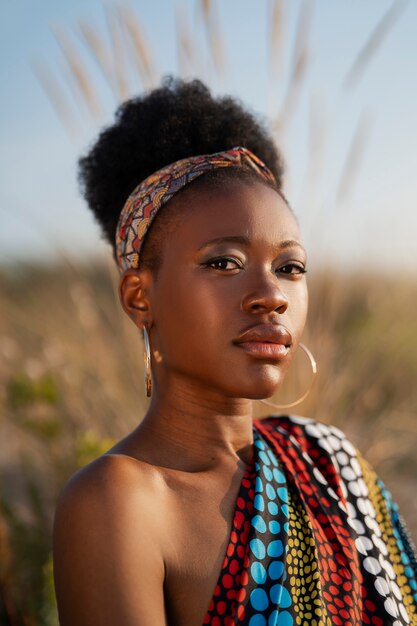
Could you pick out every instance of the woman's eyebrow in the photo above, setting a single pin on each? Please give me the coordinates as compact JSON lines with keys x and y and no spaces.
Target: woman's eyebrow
{"x":232,"y":239}
{"x":290,"y":243}
{"x":287,"y":243}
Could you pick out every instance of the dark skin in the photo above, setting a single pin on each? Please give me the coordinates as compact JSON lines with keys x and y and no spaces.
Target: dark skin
{"x":141,"y":533}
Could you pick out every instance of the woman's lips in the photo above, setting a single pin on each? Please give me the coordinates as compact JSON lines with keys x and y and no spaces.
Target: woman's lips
{"x":265,"y":350}
{"x":265,"y":341}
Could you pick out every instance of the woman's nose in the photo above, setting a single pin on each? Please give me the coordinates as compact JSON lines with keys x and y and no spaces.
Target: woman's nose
{"x":265,"y":298}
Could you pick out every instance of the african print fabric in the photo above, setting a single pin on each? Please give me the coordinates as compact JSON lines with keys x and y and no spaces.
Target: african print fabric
{"x":316,"y":539}
{"x":158,"y":188}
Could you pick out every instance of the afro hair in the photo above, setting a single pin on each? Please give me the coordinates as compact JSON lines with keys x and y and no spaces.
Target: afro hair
{"x":172,"y":122}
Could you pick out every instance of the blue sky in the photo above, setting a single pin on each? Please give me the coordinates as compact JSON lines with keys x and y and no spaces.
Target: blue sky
{"x":373,"y":222}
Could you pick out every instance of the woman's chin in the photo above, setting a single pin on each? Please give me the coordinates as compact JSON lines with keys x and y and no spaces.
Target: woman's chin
{"x":262,"y":390}
{"x":268,"y":385}
{"x":257,"y":387}
{"x":260,"y":395}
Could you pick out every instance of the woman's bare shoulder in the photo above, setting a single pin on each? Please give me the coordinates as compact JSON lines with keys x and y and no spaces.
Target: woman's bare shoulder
{"x":107,"y":530}
{"x":108,"y":482}
{"x":110,"y":476}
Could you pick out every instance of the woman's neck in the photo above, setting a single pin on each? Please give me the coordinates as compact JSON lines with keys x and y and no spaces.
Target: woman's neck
{"x":195,"y":429}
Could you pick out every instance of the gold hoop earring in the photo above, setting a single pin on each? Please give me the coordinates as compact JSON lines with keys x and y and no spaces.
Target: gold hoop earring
{"x":305,"y":394}
{"x":147,"y":359}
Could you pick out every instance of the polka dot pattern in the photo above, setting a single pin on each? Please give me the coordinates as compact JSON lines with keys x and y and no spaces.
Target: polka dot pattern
{"x":315,"y":538}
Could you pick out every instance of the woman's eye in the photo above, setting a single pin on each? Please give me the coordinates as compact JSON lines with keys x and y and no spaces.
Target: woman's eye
{"x":223,"y":263}
{"x":292,"y":268}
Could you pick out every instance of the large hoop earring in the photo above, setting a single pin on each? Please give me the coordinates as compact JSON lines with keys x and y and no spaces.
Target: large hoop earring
{"x":305,"y":394}
{"x":147,"y":359}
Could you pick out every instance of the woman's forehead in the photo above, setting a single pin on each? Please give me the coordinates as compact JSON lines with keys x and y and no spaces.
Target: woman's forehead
{"x":250,"y":212}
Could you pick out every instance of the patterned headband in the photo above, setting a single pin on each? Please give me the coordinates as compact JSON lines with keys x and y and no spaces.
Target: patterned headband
{"x":157,"y":189}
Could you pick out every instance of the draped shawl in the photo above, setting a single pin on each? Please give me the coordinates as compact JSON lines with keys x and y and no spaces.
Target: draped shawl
{"x":316,"y":538}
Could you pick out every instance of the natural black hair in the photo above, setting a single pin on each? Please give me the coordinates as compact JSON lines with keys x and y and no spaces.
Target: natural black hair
{"x":174,"y":121}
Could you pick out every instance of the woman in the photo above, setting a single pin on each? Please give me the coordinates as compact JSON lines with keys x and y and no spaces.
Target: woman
{"x":200,"y":515}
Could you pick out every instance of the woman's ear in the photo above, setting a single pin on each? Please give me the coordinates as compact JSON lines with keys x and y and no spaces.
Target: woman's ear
{"x":134,"y":296}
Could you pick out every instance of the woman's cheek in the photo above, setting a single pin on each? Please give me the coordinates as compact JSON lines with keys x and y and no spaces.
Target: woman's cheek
{"x":297,"y":296}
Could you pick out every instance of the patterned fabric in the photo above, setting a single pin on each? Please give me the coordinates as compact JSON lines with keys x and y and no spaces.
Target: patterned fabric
{"x":316,"y":539}
{"x":155,"y":191}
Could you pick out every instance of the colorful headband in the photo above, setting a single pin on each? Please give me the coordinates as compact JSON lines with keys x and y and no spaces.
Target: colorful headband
{"x":152,"y":193}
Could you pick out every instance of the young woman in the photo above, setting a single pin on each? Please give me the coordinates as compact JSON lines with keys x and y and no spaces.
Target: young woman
{"x":202,"y":515}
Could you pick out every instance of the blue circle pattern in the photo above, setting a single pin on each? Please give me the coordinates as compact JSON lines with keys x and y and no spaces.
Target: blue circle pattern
{"x":258,"y":572}
{"x":269,"y":598}
{"x":259,"y":599}
{"x":259,"y":524}
{"x":273,"y":508}
{"x":274,"y":527}
{"x":257,"y":548}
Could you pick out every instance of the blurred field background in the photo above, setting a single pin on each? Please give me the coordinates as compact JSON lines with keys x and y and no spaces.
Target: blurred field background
{"x":71,"y":378}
